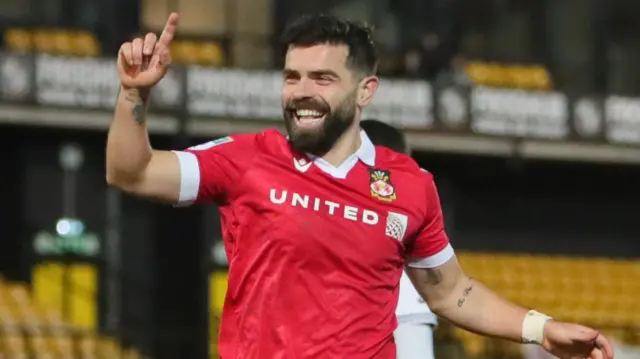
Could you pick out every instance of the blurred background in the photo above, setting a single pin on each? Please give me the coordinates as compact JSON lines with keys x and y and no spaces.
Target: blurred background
{"x":526,"y":111}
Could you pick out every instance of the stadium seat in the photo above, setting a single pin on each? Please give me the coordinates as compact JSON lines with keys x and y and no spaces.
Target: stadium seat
{"x":40,"y":346}
{"x":109,"y":347}
{"x":131,"y":354}
{"x":596,"y":292}
{"x":18,"y":40}
{"x":88,"y":347}
{"x":474,"y":345}
{"x":44,"y":41}
{"x":63,"y":344}
{"x":184,"y":52}
{"x":509,"y":76}
{"x":14,"y":346}
{"x":84,"y":44}
{"x":211,"y":54}
{"x":52,"y":41}
{"x":197,"y":53}
{"x":32,"y":329}
{"x":63,"y":40}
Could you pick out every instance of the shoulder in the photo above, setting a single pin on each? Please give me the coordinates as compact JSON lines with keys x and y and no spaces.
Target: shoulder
{"x":397,"y":162}
{"x":273,"y":142}
{"x":406,"y":173}
{"x":264,"y":138}
{"x":243,"y":146}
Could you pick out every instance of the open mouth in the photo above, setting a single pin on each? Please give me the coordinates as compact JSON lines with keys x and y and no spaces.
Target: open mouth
{"x":309,"y":118}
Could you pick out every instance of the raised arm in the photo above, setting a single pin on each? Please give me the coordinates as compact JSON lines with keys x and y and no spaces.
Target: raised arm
{"x":132,"y":164}
{"x":450,"y":293}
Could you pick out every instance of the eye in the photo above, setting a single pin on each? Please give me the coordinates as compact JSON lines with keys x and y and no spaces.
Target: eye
{"x":290,"y":79}
{"x":324,"y":81}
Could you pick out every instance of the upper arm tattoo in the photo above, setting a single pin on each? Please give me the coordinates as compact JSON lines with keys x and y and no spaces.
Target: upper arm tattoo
{"x":434,"y":276}
{"x":465,"y":293}
{"x":139,"y":110}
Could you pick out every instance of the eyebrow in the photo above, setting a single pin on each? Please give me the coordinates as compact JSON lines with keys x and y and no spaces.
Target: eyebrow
{"x":325,"y":73}
{"x":315,"y":73}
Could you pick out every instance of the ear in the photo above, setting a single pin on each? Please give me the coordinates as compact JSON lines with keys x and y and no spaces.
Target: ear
{"x":366,"y":89}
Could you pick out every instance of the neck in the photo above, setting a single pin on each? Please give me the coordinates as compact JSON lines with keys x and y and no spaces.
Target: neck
{"x":346,"y":145}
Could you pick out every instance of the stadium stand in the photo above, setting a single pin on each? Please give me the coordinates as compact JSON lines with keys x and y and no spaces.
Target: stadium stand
{"x":510,"y":76}
{"x":29,"y":329}
{"x":206,"y":53}
{"x":217,"y":292}
{"x":85,"y":44}
{"x":52,"y":41}
{"x":599,"y":292}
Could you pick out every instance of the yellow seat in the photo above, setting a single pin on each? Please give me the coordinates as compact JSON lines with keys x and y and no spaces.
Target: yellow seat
{"x":84,"y":44}
{"x":510,"y":76}
{"x":63,"y":344}
{"x":14,"y":346}
{"x":62,"y":42}
{"x":131,"y":354}
{"x":44,"y":41}
{"x":599,"y":292}
{"x":18,"y":40}
{"x":211,"y":54}
{"x":7,"y":316}
{"x":109,"y":347}
{"x":39,"y":345}
{"x":474,"y":345}
{"x":34,"y":329}
{"x":185,"y":52}
{"x":53,"y":41}
{"x":88,"y":347}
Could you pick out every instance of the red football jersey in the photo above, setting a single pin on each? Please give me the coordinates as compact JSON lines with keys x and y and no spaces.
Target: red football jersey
{"x":315,"y":251}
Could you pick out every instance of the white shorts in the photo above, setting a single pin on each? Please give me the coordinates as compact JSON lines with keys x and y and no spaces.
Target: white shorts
{"x":414,"y":341}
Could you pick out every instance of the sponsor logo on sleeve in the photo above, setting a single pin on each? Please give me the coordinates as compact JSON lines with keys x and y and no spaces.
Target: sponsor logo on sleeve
{"x":210,"y":144}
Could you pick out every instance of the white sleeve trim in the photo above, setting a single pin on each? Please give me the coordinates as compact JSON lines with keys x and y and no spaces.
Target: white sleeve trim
{"x":189,"y":178}
{"x":435,"y":260}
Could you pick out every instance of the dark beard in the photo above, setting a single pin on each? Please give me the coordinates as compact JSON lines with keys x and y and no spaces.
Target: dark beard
{"x":320,"y":141}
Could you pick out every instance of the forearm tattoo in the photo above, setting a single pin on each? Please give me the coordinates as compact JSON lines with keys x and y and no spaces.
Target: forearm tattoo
{"x":139,"y":109}
{"x":465,"y":294}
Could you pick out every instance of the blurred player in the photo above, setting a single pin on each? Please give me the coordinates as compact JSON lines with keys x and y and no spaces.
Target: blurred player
{"x":318,"y":224}
{"x":414,"y":335}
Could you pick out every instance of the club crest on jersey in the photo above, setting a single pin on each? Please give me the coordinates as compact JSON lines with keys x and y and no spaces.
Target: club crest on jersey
{"x":381,"y":186}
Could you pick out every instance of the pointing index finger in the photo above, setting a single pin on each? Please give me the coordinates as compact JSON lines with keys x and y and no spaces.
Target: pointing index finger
{"x":169,"y":30}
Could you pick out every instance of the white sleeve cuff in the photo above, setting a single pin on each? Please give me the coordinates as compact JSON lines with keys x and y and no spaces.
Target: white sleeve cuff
{"x":435,"y":260}
{"x":189,"y":178}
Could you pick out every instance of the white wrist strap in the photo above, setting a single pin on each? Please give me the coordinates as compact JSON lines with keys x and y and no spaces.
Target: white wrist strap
{"x":533,"y":327}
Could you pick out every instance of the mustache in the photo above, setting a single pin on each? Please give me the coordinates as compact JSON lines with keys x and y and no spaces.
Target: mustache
{"x":308,"y":104}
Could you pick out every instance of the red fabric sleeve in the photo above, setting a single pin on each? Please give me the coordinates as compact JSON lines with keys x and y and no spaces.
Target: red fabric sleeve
{"x":431,"y":246}
{"x":209,"y":171}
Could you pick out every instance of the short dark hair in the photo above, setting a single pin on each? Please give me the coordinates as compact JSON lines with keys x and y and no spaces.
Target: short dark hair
{"x":310,"y":30}
{"x":382,"y":134}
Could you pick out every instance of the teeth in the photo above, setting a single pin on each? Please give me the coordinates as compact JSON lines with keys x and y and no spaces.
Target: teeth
{"x":308,"y":113}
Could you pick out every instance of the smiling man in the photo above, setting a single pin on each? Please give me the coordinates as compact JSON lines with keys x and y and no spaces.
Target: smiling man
{"x":317,"y":225}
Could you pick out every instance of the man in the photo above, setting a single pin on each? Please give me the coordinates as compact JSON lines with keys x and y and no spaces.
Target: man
{"x":414,"y":335}
{"x":317,"y":224}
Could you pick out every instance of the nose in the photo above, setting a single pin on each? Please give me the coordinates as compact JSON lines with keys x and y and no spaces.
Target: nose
{"x":303,"y":89}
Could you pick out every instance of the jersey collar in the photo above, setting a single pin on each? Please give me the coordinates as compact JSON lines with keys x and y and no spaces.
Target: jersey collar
{"x":365,"y":153}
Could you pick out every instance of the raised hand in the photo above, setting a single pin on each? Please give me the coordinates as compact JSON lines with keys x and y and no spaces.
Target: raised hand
{"x":574,"y":341}
{"x":143,"y":62}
